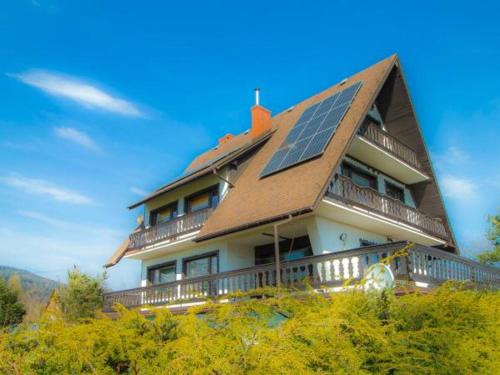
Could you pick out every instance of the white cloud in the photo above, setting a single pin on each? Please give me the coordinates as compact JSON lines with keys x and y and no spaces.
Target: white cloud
{"x":96,"y":231}
{"x":77,"y":90}
{"x":458,"y":188}
{"x":42,"y":187}
{"x":138,"y":191}
{"x":455,"y":155}
{"x":77,"y":137}
{"x":43,"y":218}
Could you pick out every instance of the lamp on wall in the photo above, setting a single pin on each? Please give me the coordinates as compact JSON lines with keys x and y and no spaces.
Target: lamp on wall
{"x":343,"y":238}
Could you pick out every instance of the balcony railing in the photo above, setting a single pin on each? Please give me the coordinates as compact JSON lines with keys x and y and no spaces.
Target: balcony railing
{"x":342,"y":188}
{"x":170,"y":230}
{"x":420,"y":264}
{"x":383,"y":139}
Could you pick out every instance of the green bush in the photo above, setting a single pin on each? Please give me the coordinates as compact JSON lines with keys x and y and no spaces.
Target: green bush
{"x":447,"y":331}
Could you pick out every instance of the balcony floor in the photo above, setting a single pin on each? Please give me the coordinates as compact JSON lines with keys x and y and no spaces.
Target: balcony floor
{"x":371,"y":154}
{"x":362,"y":218}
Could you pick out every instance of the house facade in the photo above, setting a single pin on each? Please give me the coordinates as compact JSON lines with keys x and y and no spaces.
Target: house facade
{"x":321,"y":191}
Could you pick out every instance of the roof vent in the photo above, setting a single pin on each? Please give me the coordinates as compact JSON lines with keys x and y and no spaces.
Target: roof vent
{"x":290,"y":109}
{"x":257,"y":96}
{"x":226,"y":138}
{"x":343,"y":82}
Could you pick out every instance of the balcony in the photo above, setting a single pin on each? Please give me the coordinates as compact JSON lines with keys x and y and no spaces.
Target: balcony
{"x":384,"y":152}
{"x":420,"y":265}
{"x":170,"y":230}
{"x":370,"y":202}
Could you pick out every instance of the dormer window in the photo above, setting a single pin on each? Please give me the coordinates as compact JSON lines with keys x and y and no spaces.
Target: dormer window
{"x":208,"y":198}
{"x":164,"y":213}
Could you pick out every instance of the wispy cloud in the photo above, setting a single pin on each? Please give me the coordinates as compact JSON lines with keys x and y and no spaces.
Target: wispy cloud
{"x":138,"y":191}
{"x":457,"y":187}
{"x":77,"y":90}
{"x":84,"y":228}
{"x":77,"y":137}
{"x":43,"y":187}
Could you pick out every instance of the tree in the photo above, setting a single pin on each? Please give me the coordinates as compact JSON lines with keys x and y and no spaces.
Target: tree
{"x":492,"y":256}
{"x":82,"y":297}
{"x":11,"y":310}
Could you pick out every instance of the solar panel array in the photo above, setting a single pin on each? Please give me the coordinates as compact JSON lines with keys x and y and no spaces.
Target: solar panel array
{"x":313,"y":131}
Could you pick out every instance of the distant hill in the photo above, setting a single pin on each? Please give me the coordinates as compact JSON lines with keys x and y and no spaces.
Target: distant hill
{"x":38,"y":286}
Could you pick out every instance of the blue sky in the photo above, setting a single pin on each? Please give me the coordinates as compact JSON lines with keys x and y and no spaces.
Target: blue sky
{"x":103,"y":101}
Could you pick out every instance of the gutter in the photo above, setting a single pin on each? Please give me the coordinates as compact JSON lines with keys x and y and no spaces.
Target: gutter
{"x":254,"y":224}
{"x":214,"y":171}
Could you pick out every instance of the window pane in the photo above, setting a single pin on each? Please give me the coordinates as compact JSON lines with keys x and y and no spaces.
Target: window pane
{"x":394,"y":192}
{"x":214,"y":267}
{"x":167,"y":274}
{"x":199,"y":202}
{"x":197,"y":267}
{"x":164,"y":215}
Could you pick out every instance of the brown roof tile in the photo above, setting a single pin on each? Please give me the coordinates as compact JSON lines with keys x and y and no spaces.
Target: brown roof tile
{"x":254,"y":201}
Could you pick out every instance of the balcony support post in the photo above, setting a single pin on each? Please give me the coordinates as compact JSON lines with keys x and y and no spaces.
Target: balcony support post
{"x":277,"y":249}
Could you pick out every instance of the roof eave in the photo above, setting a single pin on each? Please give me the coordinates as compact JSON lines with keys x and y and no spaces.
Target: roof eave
{"x":203,"y":172}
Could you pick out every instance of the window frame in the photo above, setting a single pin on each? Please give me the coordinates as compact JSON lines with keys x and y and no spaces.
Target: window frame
{"x":151,"y":269}
{"x":153,"y":220}
{"x":211,"y":190}
{"x":209,"y":254}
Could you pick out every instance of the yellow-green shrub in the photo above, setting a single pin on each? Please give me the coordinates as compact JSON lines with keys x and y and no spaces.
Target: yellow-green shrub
{"x":448,"y":331}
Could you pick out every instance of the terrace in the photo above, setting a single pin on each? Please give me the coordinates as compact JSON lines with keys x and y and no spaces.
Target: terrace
{"x":419,"y":266}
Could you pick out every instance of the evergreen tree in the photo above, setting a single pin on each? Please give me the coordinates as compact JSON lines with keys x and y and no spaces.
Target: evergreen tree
{"x":11,"y":310}
{"x":82,"y":297}
{"x":492,"y":256}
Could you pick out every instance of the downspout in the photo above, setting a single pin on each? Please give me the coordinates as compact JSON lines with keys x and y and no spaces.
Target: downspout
{"x":277,"y":249}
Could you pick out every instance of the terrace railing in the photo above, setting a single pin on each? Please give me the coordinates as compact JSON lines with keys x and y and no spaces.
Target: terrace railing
{"x":383,"y":139}
{"x":170,"y":230}
{"x":420,"y":264}
{"x":342,"y":188}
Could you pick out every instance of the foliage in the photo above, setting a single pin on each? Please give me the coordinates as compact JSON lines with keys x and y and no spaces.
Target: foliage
{"x":492,"y":256}
{"x":11,"y":309}
{"x":448,"y":331}
{"x":33,"y":290}
{"x":82,"y":297}
{"x":41,"y":287}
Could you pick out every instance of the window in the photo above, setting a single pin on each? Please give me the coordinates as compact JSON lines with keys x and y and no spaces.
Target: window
{"x":359,"y":177}
{"x":205,"y":199}
{"x":201,"y":265}
{"x":163,"y":214}
{"x":299,"y":248}
{"x":164,"y":273}
{"x":394,"y":192}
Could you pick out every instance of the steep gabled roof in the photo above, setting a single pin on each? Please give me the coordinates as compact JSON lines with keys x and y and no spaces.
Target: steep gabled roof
{"x":254,"y":201}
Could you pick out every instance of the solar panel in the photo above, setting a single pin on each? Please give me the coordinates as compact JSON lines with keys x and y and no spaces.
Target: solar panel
{"x":313,"y":131}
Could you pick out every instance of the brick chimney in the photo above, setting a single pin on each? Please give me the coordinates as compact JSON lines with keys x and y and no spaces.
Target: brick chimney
{"x":261,"y":117}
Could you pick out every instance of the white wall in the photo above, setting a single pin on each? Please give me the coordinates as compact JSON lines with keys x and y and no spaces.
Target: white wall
{"x":183,"y":191}
{"x":325,"y":234}
{"x":231,"y":256}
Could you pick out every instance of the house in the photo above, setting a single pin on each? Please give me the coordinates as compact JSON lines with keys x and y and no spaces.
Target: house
{"x":321,"y":191}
